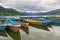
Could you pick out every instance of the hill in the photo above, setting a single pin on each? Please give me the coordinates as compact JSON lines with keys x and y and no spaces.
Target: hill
{"x":8,"y":12}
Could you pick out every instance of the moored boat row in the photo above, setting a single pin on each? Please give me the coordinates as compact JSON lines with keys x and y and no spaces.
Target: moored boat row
{"x":15,"y":24}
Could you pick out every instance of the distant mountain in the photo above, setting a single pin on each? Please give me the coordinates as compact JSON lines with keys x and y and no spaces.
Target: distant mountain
{"x":13,"y":12}
{"x":7,"y":12}
{"x":53,"y":12}
{"x":28,"y":14}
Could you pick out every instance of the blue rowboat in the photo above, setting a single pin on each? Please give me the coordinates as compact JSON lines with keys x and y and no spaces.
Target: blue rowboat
{"x":56,"y":22}
{"x":2,"y":18}
{"x":13,"y":25}
{"x":14,"y":19}
{"x":24,"y":23}
{"x":2,"y":27}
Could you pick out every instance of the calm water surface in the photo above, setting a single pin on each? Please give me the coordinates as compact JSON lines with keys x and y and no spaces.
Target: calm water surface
{"x":38,"y":34}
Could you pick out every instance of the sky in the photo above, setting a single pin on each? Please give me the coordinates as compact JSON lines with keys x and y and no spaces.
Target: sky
{"x":31,"y":5}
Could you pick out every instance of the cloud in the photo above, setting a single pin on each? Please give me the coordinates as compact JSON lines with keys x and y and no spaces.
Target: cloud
{"x":32,"y":5}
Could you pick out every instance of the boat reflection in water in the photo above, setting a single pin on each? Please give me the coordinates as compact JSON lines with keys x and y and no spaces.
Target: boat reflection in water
{"x":26,"y":30}
{"x":41,"y":27}
{"x":14,"y":35}
{"x":3,"y":33}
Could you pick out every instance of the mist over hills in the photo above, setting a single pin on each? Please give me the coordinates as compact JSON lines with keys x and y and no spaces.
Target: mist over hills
{"x":13,"y":12}
{"x":53,"y":12}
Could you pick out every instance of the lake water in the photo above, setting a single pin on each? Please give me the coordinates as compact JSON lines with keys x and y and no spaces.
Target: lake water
{"x":35,"y":33}
{"x":38,"y":34}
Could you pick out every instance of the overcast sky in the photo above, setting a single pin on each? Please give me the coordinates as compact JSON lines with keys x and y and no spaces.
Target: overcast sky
{"x":31,"y":5}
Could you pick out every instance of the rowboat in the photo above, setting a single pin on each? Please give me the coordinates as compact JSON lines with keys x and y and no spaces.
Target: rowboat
{"x":24,"y":23}
{"x":56,"y":22}
{"x":2,"y":27}
{"x":34,"y":22}
{"x":39,"y":21}
{"x":13,"y":25}
{"x":45,"y":21}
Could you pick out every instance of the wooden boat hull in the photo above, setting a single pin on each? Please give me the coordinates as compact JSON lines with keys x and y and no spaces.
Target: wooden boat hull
{"x":56,"y":23}
{"x":24,"y":24}
{"x":2,"y":27}
{"x":13,"y":25}
{"x":14,"y":28}
{"x":35,"y":22}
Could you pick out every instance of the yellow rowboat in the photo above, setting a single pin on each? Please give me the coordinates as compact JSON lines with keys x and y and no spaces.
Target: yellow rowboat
{"x":35,"y":22}
{"x":57,"y":17}
{"x":24,"y":23}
